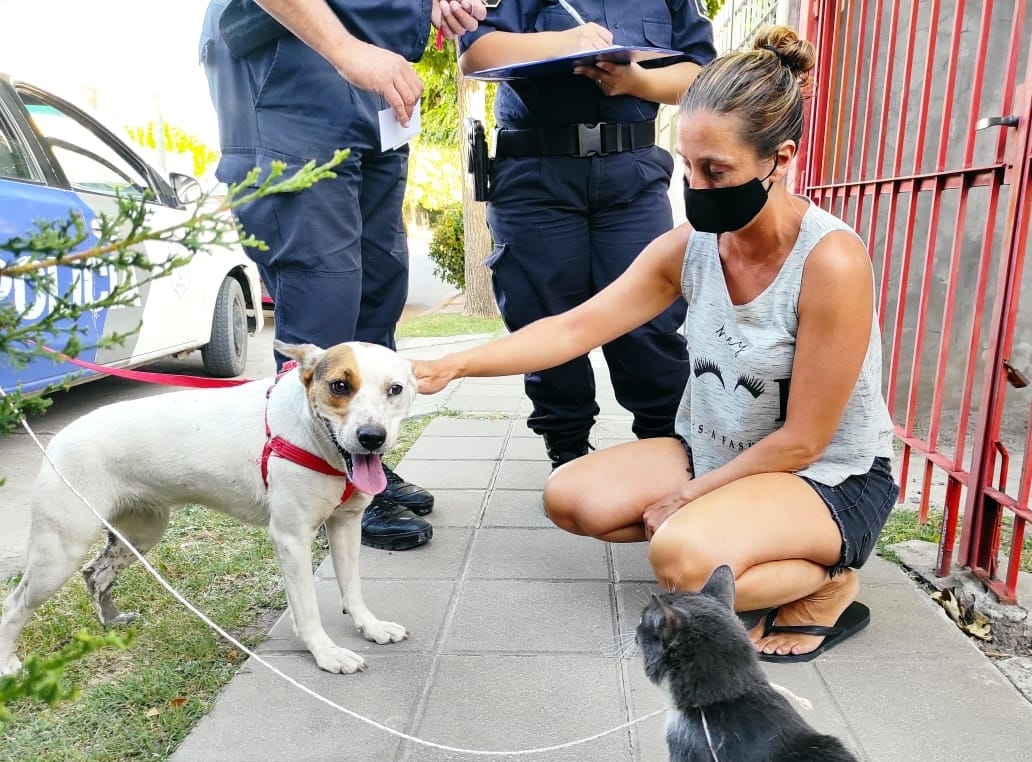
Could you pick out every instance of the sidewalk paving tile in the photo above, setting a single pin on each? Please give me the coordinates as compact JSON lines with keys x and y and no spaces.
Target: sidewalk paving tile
{"x":525,"y":448}
{"x":531,"y":616}
{"x":631,"y":562}
{"x":480,"y":702}
{"x":456,"y":507}
{"x":536,"y":554}
{"x":879,"y":572}
{"x":516,"y":508}
{"x":259,"y":718}
{"x":455,"y":448}
{"x":484,"y":403}
{"x":523,"y":474}
{"x":449,"y":474}
{"x":923,"y":710}
{"x":447,"y":426}
{"x":895,"y":616}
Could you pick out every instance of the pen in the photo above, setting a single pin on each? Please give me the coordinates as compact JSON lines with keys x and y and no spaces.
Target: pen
{"x":572,"y":11}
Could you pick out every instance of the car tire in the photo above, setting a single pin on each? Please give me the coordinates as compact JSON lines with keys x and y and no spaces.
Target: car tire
{"x":225,"y":354}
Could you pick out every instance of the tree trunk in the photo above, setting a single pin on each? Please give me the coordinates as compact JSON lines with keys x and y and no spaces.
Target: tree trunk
{"x":476,"y":237}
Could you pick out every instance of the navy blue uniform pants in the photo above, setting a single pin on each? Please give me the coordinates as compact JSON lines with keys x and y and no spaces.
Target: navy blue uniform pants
{"x":337,"y":257}
{"x":337,"y":262}
{"x":564,"y":228}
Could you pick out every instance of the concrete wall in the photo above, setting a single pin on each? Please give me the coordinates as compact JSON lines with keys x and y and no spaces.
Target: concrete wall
{"x":930,"y":250}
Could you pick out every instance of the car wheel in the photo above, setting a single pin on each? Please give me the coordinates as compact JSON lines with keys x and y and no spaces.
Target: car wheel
{"x":225,"y":354}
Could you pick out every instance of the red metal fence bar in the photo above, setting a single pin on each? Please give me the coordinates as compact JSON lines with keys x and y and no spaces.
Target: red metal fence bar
{"x":984,"y":509}
{"x":948,"y":239}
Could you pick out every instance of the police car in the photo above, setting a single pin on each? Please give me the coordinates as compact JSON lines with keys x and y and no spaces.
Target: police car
{"x":56,"y":160}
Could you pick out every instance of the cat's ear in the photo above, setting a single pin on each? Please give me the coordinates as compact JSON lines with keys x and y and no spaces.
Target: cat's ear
{"x":671,"y":618}
{"x":721,"y":585}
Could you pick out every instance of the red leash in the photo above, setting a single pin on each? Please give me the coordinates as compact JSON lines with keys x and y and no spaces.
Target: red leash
{"x":170,"y":379}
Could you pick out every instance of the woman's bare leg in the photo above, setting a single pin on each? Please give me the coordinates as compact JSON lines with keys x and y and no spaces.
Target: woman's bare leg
{"x":778,"y":536}
{"x":604,"y":494}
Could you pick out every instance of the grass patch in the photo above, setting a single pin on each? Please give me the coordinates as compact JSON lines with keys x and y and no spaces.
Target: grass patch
{"x":446,"y":324}
{"x":904,"y":525}
{"x":140,"y":703}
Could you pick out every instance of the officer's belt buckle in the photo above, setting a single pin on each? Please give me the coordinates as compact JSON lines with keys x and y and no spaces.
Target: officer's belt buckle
{"x":589,"y":140}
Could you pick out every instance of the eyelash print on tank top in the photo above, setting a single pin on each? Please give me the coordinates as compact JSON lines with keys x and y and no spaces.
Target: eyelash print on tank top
{"x":704,"y":366}
{"x":751,"y":384}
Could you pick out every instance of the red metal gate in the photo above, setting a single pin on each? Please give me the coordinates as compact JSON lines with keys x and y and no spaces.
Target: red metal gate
{"x":919,"y":136}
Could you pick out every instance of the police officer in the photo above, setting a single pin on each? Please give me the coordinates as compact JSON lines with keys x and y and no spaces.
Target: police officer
{"x":578,"y":188}
{"x":337,"y":258}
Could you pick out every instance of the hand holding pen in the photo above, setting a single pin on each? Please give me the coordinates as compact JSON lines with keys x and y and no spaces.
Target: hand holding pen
{"x":587,"y":36}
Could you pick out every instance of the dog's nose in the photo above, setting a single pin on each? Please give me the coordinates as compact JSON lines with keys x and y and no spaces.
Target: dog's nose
{"x":372,"y":437}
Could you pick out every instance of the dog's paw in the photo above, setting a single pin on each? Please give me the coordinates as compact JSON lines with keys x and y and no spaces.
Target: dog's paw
{"x":9,"y":666}
{"x":339,"y":660}
{"x":379,"y":631}
{"x":122,"y":619}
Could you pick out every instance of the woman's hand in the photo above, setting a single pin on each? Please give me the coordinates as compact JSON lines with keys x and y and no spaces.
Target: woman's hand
{"x":432,"y":375}
{"x":613,"y":78}
{"x":655,"y":514}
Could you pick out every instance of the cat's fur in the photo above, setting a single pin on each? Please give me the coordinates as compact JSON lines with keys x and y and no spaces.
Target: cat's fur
{"x":694,"y":645}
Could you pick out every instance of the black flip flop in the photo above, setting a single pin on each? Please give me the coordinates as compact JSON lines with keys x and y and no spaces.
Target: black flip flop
{"x":853,"y":619}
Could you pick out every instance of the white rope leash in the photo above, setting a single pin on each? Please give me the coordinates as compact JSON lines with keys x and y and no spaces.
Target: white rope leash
{"x":240,"y":646}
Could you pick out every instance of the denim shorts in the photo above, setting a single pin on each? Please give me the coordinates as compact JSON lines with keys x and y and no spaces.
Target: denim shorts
{"x":860,"y":506}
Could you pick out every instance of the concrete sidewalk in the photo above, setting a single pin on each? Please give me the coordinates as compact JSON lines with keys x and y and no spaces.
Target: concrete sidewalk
{"x":519,"y":634}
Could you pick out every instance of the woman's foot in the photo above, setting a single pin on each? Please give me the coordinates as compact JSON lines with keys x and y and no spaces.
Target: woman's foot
{"x":824,"y":607}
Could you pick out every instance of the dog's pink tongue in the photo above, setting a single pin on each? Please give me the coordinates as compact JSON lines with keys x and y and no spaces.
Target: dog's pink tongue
{"x":367,"y":474}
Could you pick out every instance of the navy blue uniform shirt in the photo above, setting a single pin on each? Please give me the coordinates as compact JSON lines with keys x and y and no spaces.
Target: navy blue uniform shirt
{"x":285,"y":102}
{"x":545,"y":102}
{"x":399,"y":25}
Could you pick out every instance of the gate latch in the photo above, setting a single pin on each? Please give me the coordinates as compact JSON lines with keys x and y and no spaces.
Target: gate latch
{"x":1015,"y":377}
{"x":996,"y":121}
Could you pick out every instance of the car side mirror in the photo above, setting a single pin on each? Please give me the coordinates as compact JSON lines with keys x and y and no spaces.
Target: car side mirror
{"x":187,"y":189}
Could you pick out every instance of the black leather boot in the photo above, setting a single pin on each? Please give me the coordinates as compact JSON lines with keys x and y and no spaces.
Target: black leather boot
{"x":562,"y":451}
{"x":390,"y":526}
{"x":399,"y":491}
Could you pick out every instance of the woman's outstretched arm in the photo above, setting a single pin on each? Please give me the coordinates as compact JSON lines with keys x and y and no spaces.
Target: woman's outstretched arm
{"x":646,"y":288}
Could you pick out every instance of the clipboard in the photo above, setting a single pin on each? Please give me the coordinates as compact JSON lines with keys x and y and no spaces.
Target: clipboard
{"x":564,"y":65}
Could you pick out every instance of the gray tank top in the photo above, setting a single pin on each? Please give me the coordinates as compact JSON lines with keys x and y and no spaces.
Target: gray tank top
{"x":741,"y":358}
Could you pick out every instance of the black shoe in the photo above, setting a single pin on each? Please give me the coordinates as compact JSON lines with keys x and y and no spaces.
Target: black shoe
{"x":390,"y":526}
{"x":399,"y":491}
{"x":564,"y":450}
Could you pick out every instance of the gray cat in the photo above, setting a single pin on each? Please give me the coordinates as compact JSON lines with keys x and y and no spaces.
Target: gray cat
{"x":726,"y":710}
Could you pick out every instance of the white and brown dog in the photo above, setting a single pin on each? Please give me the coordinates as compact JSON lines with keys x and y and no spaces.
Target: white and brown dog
{"x":290,"y":454}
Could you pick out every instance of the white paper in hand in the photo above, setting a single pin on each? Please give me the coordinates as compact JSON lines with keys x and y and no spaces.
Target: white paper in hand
{"x":392,"y":134}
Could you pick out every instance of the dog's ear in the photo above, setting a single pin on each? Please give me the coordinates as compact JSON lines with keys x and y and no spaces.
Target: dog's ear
{"x":306,"y":355}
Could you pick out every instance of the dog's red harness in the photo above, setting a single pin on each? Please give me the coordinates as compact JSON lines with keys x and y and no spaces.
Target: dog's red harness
{"x":281,"y":448}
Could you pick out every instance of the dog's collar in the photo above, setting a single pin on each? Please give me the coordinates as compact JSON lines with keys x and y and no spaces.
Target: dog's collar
{"x":281,"y":448}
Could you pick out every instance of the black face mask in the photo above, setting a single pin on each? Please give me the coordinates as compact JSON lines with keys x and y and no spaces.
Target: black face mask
{"x":723,"y":210}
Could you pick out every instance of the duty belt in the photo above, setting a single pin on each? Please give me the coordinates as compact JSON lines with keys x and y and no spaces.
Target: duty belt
{"x":576,"y":139}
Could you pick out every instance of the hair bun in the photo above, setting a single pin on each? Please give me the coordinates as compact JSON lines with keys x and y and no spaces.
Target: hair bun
{"x":798,"y":55}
